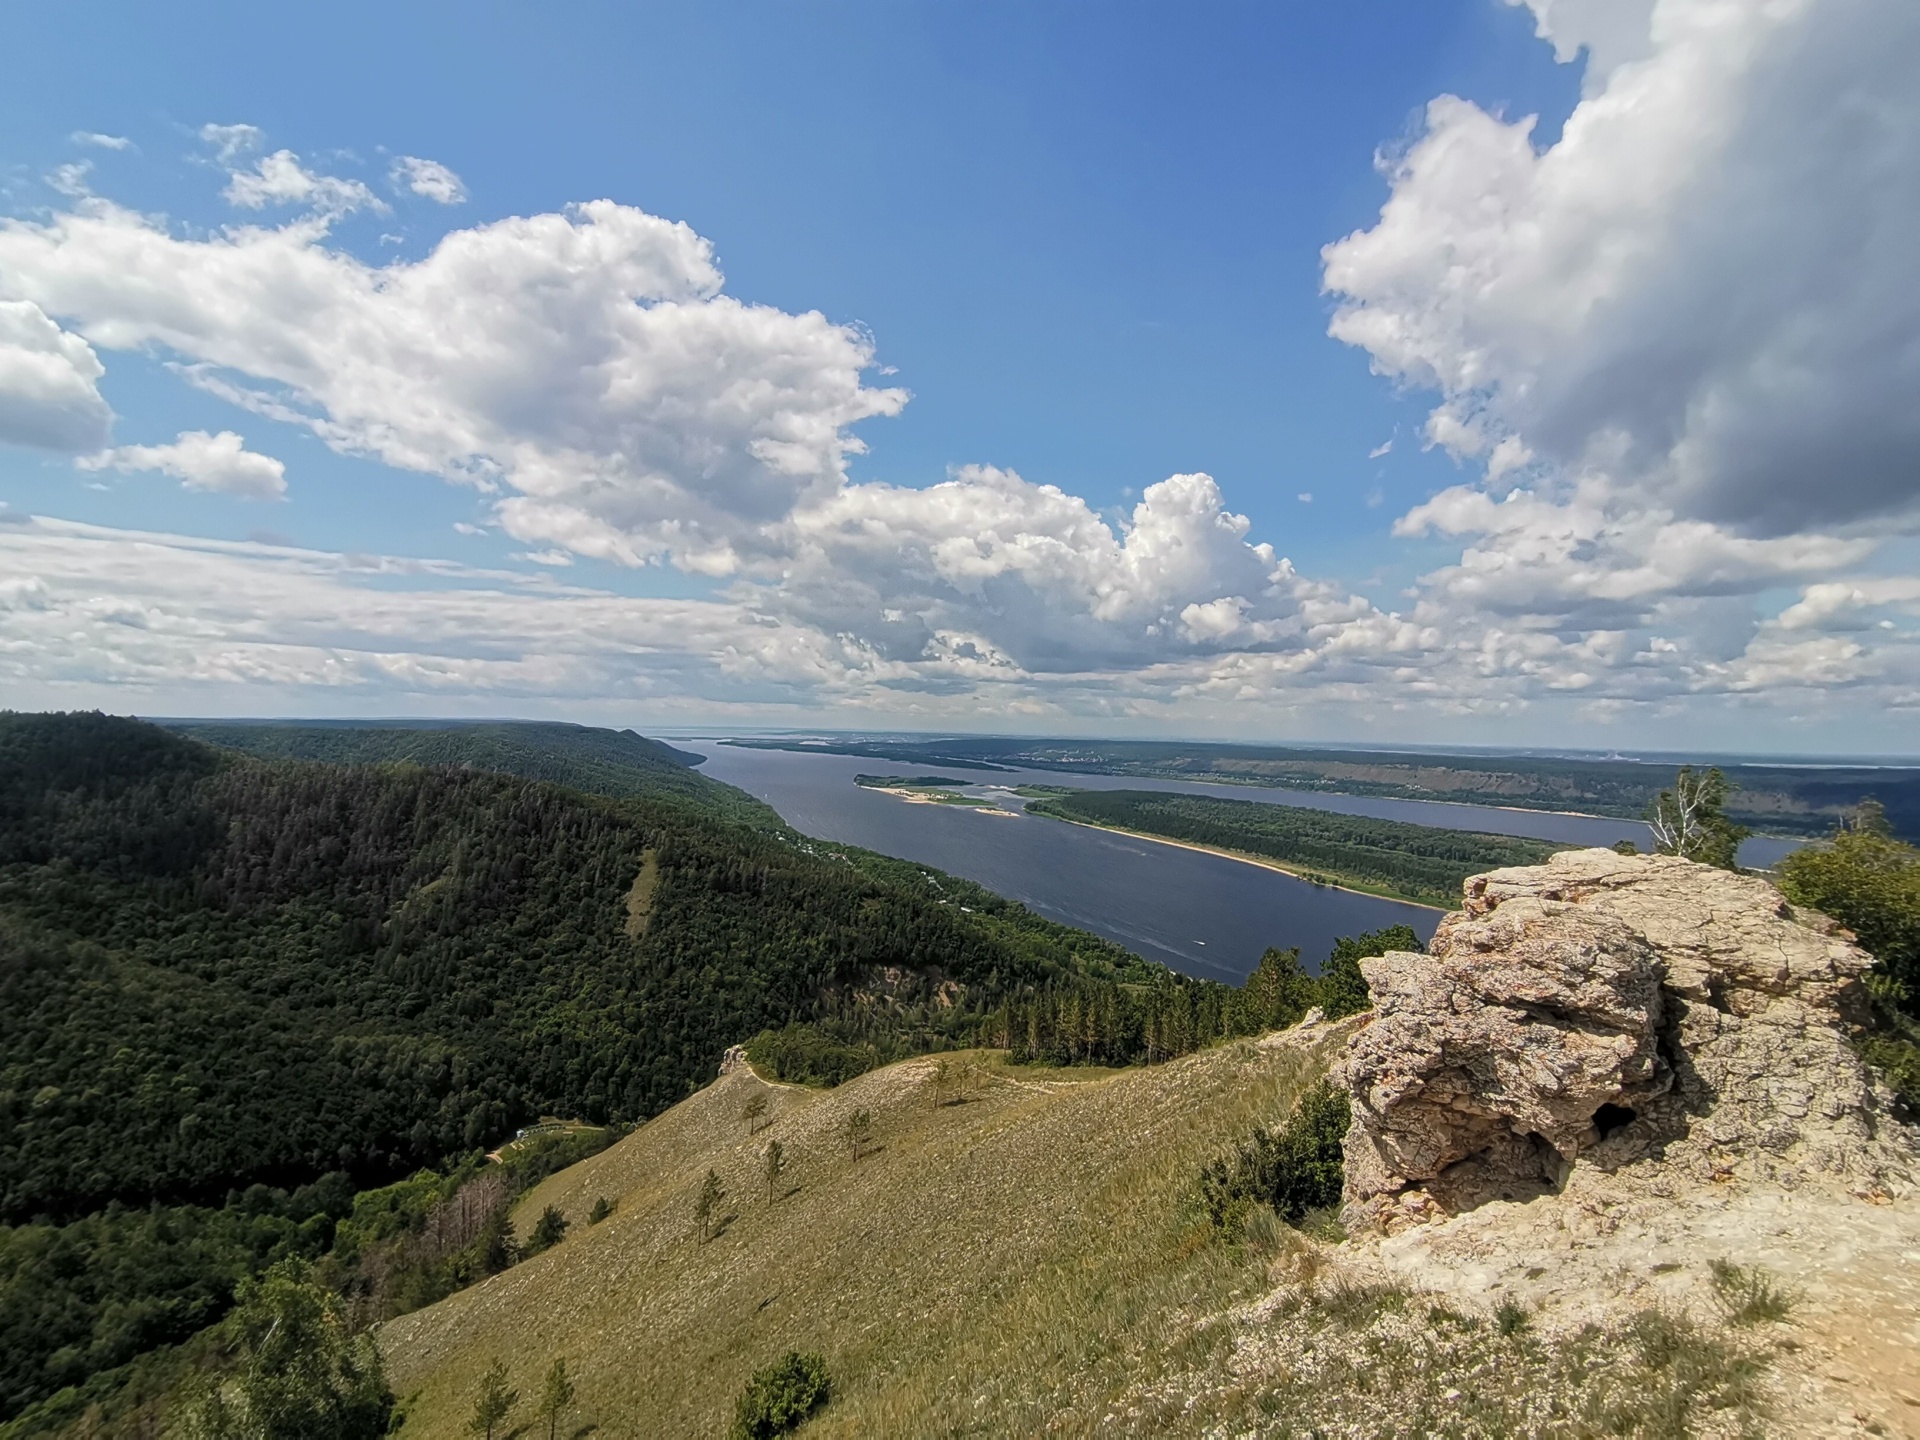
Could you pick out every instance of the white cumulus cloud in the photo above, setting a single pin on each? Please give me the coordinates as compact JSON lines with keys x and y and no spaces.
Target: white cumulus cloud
{"x":49,"y":383}
{"x":1702,"y":290}
{"x":280,"y":179}
{"x":1679,"y":343}
{"x":200,"y":461}
{"x":429,"y":178}
{"x":586,"y":364}
{"x":990,"y":564}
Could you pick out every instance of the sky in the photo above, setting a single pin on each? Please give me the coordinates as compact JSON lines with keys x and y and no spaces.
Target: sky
{"x":1451,"y":371}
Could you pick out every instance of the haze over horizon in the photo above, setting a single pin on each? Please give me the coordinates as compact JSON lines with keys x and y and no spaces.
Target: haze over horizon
{"x":1501,"y":374}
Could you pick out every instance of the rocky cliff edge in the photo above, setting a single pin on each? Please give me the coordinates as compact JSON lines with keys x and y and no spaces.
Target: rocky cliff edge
{"x":1611,"y":1073}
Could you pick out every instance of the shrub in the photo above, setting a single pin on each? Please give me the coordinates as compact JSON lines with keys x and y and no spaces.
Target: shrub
{"x":1870,"y":882}
{"x":602,"y":1208}
{"x":1748,"y":1294}
{"x":1690,"y":820}
{"x":547,"y":1231}
{"x":1295,"y":1170}
{"x":780,"y":1396}
{"x":806,"y":1055}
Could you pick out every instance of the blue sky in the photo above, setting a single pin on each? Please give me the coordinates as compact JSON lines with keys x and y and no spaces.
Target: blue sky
{"x":1088,"y":242}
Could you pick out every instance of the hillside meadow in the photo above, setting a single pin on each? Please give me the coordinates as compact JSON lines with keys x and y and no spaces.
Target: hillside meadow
{"x":1021,"y":1252}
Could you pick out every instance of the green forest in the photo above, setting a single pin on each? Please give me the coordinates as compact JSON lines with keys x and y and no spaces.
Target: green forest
{"x":1413,"y":862}
{"x":616,"y":763}
{"x":245,"y":997}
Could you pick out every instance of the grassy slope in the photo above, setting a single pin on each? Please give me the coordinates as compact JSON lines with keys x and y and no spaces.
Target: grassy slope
{"x":999,"y":1263}
{"x":1031,"y":1261}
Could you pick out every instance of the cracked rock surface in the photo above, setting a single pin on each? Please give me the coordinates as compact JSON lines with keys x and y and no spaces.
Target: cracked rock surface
{"x":1637,"y":1015}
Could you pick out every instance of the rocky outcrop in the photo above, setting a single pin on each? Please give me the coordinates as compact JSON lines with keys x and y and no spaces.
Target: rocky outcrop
{"x":1627,"y":1013}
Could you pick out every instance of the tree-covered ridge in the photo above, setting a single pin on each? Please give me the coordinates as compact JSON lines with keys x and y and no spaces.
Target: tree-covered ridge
{"x":318,"y":967}
{"x":1417,"y":862}
{"x":233,"y":991}
{"x":615,"y":763}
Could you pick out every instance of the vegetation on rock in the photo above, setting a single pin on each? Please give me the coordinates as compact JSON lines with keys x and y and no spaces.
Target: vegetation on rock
{"x":1870,"y":882}
{"x":1689,"y":819}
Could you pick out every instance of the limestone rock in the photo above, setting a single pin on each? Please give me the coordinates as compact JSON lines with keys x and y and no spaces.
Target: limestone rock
{"x":1624,"y":1012}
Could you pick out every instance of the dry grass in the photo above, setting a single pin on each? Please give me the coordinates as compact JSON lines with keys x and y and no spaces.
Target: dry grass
{"x":999,"y":1265}
{"x":1030,"y":1260}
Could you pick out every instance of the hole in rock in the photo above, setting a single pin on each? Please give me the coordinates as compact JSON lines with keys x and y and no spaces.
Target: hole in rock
{"x":1611,"y":1118}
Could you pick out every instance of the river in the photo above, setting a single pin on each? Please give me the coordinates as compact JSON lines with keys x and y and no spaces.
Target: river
{"x":1199,"y":913}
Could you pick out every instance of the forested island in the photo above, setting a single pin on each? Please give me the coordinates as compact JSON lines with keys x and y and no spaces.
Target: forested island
{"x":1380,"y":857}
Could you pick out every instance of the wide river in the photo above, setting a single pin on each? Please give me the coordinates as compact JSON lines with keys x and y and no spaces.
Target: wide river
{"x":1199,"y":913}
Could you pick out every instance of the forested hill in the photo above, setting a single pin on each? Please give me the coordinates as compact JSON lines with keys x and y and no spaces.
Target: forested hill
{"x":219,"y":970}
{"x":618,"y":763}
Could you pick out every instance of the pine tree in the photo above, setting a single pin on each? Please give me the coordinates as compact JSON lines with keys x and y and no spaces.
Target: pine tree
{"x":495,"y":1401}
{"x":547,"y":1231}
{"x":859,"y":1131}
{"x":771,"y":1164}
{"x":754,"y":1110}
{"x":1280,"y":991}
{"x":555,"y":1396}
{"x":704,"y":1209}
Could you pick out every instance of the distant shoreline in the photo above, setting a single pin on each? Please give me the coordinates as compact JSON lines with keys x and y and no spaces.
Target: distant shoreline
{"x":1265,"y":862}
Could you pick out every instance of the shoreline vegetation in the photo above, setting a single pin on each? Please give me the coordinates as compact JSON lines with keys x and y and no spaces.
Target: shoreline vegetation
{"x":1414,"y":864}
{"x":1317,"y":878}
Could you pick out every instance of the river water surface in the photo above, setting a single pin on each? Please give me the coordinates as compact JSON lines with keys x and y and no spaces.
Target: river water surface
{"x":1199,"y":913}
